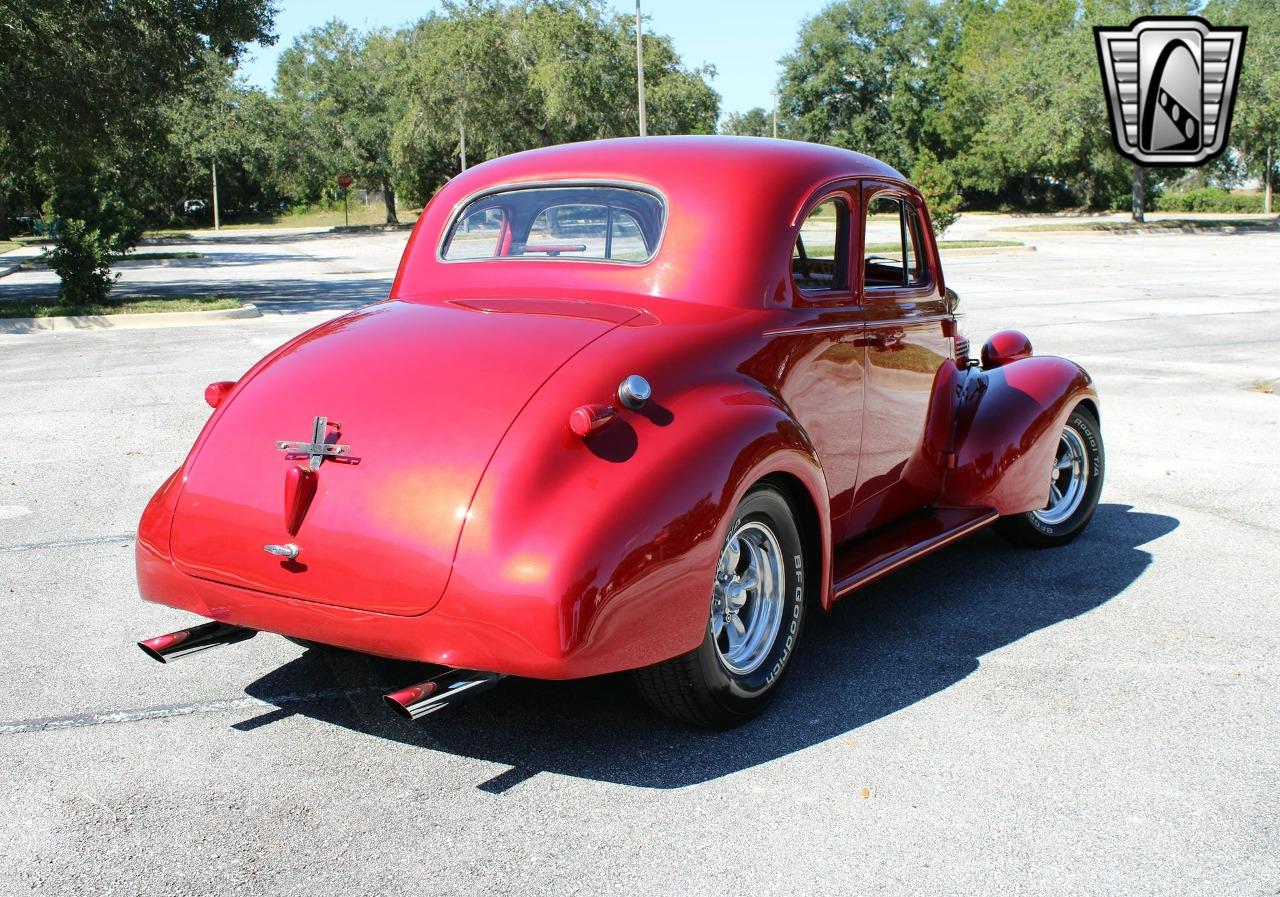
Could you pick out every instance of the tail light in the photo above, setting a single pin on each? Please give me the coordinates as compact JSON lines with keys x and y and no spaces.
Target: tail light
{"x":215,"y":393}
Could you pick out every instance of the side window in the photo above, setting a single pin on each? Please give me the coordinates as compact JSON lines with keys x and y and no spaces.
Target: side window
{"x":820,"y":257}
{"x":892,"y":247}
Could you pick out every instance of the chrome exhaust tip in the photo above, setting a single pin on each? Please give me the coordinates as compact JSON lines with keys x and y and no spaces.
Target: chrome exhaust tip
{"x":438,"y":692}
{"x":188,"y":641}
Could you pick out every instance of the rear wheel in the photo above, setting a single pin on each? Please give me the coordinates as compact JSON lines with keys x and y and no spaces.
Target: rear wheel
{"x":1075,"y":484}
{"x":756,"y":613}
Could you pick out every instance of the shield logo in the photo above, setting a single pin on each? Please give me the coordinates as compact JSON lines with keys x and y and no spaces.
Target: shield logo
{"x":1170,"y":83}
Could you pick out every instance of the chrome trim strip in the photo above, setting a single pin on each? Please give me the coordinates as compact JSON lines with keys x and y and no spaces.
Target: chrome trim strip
{"x":535,"y":185}
{"x":813,"y":328}
{"x":820,"y":328}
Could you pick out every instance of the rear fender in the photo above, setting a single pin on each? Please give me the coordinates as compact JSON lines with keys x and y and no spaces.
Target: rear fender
{"x":1007,"y":424}
{"x":586,"y":556}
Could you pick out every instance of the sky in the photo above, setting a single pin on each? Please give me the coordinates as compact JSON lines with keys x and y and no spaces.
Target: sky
{"x":742,"y":39}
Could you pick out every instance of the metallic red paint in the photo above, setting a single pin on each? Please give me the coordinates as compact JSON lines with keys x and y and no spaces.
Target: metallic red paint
{"x":1005,"y":346}
{"x":478,"y":531}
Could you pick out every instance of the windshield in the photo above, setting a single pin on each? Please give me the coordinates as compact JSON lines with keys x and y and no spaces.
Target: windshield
{"x":614,"y":224}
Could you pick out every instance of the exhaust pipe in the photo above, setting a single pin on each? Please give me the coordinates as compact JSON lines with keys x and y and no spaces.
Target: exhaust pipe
{"x":188,"y":641}
{"x":438,"y":692}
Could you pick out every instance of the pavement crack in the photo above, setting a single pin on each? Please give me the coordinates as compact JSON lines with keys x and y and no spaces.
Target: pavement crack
{"x":164,"y":711}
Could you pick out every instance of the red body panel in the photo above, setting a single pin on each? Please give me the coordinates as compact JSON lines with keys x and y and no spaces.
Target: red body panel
{"x":471,"y":525}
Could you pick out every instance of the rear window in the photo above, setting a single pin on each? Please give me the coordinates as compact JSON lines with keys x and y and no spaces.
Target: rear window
{"x":613,"y":224}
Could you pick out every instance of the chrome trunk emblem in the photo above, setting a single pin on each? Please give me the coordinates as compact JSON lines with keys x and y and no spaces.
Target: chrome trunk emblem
{"x":317,"y":449}
{"x":289,"y":551}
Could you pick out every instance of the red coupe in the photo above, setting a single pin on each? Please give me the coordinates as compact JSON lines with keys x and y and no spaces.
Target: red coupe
{"x":636,"y":404}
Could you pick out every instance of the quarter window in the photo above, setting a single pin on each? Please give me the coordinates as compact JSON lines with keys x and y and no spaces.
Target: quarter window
{"x":820,"y":257}
{"x":892,"y":244}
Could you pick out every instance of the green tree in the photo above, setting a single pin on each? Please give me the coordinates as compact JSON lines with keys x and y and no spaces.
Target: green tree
{"x":757,"y":122}
{"x":85,"y":84}
{"x":1255,"y":128}
{"x":222,"y":128}
{"x":868,"y":75}
{"x":339,"y":88}
{"x":495,"y":77}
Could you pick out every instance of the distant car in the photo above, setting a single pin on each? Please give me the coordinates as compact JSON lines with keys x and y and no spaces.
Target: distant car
{"x":194,"y":207}
{"x":631,"y":405}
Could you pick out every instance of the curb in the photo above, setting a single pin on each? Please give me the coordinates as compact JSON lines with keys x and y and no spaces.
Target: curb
{"x":112,"y":322}
{"x":987,"y":250}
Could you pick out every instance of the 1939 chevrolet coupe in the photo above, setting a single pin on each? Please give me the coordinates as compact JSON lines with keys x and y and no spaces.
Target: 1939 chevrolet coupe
{"x":635,"y":404}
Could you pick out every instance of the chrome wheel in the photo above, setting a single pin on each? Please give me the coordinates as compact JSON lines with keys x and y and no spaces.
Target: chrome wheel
{"x":747,"y":599}
{"x":1068,"y":480}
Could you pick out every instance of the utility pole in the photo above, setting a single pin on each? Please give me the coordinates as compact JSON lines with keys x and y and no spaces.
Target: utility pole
{"x":775,"y":114}
{"x":214,"y":169}
{"x":462,"y":141}
{"x":640,"y":68}
{"x":1266,"y":179}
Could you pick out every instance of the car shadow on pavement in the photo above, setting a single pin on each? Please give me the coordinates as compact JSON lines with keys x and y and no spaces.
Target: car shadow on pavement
{"x":892,"y":645}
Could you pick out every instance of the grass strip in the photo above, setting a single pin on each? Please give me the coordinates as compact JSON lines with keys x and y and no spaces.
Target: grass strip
{"x":133,"y":305}
{"x":1188,"y":225}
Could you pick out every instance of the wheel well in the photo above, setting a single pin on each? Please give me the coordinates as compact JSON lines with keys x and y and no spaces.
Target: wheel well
{"x":810,"y":528}
{"x":1093,"y":408}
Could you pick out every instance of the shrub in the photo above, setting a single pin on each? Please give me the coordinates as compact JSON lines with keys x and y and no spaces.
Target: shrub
{"x":1208,"y":199}
{"x":82,"y":259}
{"x":937,"y":184}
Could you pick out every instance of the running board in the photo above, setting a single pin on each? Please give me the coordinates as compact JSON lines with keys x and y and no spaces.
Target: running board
{"x":867,"y":559}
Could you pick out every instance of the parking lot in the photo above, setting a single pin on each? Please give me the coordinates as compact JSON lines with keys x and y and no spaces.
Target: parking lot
{"x":1101,"y":719}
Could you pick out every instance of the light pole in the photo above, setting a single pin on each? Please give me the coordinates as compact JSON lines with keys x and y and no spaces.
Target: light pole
{"x":213,"y":167}
{"x":640,"y":68}
{"x":775,"y":113}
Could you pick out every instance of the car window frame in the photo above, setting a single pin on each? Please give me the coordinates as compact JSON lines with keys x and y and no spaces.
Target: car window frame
{"x":928,"y":287}
{"x":848,"y":294}
{"x":461,"y":205}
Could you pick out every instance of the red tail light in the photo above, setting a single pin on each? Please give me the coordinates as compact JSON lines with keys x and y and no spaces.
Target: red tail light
{"x":214,"y":393}
{"x":587,"y":419}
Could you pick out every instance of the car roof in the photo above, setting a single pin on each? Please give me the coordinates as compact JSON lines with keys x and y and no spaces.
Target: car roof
{"x":658,"y":160}
{"x":733,"y":207}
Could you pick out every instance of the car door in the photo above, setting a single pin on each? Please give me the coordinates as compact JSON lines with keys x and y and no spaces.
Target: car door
{"x":904,"y":309}
{"x":814,"y":354}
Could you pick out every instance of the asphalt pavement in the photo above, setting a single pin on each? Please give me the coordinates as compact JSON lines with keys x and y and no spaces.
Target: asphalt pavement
{"x":1099,"y":719}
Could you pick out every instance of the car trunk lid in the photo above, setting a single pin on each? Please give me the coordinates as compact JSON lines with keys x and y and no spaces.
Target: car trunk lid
{"x":421,"y":394}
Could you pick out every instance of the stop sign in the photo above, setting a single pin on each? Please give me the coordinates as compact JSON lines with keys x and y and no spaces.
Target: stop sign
{"x":344,"y":181}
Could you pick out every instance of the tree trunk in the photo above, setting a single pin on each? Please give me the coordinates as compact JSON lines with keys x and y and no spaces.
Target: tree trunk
{"x":1139,"y":193}
{"x":1266,"y":181}
{"x":4,"y":217}
{"x":389,"y":197}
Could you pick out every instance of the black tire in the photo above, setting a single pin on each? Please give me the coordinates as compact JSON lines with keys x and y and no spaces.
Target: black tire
{"x":1032,"y":530}
{"x":700,"y":688}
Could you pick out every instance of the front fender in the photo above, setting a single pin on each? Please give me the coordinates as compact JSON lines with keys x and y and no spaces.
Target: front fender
{"x":1008,"y":421}
{"x":581,"y":557}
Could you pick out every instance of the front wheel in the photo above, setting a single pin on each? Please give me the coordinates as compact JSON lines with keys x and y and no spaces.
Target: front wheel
{"x":756,"y":613}
{"x":1075,"y":484}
